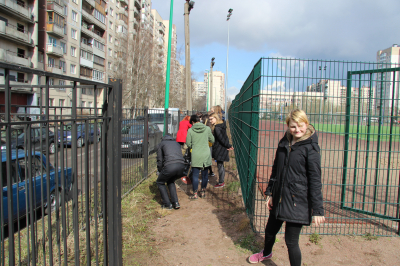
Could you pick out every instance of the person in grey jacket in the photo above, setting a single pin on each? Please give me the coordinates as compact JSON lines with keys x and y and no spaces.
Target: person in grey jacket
{"x":197,"y":140}
{"x":170,"y":165}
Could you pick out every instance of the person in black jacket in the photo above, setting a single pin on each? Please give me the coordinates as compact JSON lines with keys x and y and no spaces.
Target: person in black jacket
{"x":170,"y":165}
{"x":220,"y":148}
{"x":294,"y":191}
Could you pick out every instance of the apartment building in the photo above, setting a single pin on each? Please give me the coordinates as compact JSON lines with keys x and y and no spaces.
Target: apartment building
{"x":388,"y":58}
{"x":200,"y":89}
{"x":217,"y":91}
{"x":18,"y":40}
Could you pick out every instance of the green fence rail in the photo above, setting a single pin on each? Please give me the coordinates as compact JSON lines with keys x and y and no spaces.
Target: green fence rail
{"x":354,"y":107}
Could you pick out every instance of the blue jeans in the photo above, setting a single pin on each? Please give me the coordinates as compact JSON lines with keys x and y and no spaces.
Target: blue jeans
{"x":195,"y":179}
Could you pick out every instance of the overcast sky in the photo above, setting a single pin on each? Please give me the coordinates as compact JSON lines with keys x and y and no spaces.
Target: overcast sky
{"x":351,"y":30}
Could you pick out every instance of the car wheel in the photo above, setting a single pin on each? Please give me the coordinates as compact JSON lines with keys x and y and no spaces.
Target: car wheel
{"x":52,"y":148}
{"x":79,"y":142}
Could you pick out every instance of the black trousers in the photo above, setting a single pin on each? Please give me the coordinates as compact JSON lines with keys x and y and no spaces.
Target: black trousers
{"x":168,"y":175}
{"x":292,"y":233}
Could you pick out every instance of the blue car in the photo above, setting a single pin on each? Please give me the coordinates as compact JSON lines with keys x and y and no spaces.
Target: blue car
{"x":81,"y":134}
{"x":20,"y":186}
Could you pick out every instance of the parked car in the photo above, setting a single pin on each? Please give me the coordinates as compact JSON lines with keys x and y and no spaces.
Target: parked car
{"x":133,"y":137}
{"x":37,"y":133}
{"x":20,"y":185}
{"x":81,"y":134}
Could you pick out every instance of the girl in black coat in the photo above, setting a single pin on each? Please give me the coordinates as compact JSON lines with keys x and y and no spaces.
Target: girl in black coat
{"x":221,"y":147}
{"x":294,"y":190}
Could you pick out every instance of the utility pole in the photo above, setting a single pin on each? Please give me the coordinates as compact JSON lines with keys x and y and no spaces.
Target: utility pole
{"x":167,"y":79}
{"x":228,"y":17}
{"x":212,"y":92}
{"x":187,"y":7}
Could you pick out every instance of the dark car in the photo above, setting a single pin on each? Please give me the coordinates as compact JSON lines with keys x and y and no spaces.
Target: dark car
{"x":20,"y":183}
{"x":81,"y":134}
{"x":38,"y":138}
{"x":133,"y":137}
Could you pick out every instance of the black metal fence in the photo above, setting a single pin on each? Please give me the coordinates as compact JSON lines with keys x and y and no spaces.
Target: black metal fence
{"x":60,"y":170}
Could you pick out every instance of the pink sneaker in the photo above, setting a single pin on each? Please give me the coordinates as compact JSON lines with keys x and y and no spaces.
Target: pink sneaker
{"x":219,"y":185}
{"x":258,"y":257}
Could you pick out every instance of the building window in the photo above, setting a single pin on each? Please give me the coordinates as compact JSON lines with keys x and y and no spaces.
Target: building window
{"x":116,"y":41}
{"x":65,"y":29}
{"x":83,"y":90}
{"x":61,"y":82}
{"x":51,"y":101}
{"x":83,"y":104}
{"x":63,"y":66}
{"x":86,"y":72}
{"x":73,"y":51}
{"x":20,"y":27}
{"x":61,"y":102}
{"x":74,"y":34}
{"x":51,"y":82}
{"x":110,"y":38}
{"x":51,"y":62}
{"x":98,"y":60}
{"x":64,"y":47}
{"x":97,"y":75}
{"x":111,"y":12}
{"x":73,"y":69}
{"x":110,"y":24}
{"x":65,"y":10}
{"x":75,"y":1}
{"x":86,"y":55}
{"x":21,"y":53}
{"x":109,"y":52}
{"x":98,"y":45}
{"x":99,"y":16}
{"x":109,"y":65}
{"x":74,"y":16}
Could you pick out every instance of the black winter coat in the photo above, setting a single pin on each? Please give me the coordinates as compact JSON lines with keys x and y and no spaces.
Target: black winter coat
{"x":221,"y":145}
{"x":295,"y":182}
{"x":168,"y":152}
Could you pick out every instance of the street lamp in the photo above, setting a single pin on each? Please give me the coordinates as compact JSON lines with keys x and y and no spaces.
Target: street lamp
{"x":228,"y":17}
{"x":166,"y":104}
{"x":187,"y":7}
{"x":212,"y":96}
{"x":208,"y":88}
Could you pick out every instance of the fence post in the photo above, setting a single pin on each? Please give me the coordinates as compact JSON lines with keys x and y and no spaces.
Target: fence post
{"x":146,"y":143}
{"x":166,"y":119}
{"x":114,"y":174}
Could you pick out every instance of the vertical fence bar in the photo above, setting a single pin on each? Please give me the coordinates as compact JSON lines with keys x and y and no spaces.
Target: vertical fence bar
{"x":87,"y":191}
{"x":146,"y":143}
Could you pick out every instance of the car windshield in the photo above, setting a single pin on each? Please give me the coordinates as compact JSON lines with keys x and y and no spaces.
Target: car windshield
{"x":14,"y":133}
{"x":135,"y":130}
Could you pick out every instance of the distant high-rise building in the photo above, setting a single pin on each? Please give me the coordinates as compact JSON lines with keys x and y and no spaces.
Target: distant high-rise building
{"x":200,"y":89}
{"x":217,"y":90}
{"x":388,"y":58}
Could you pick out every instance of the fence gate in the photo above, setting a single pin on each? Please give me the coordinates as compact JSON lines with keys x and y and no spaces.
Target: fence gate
{"x":371,"y":155}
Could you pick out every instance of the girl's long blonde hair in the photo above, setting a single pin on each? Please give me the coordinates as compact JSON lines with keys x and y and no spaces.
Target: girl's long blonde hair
{"x":218,"y":118}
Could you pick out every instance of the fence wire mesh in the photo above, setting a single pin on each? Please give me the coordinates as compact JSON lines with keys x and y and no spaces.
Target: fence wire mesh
{"x":354,"y":107}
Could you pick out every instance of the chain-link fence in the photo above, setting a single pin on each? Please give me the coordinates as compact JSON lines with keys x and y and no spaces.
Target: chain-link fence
{"x":355,"y":109}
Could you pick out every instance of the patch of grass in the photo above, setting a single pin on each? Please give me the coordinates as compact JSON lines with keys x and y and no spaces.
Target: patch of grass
{"x":244,"y":224}
{"x":233,"y":186}
{"x":315,"y":238}
{"x":370,"y":237}
{"x":248,"y":243}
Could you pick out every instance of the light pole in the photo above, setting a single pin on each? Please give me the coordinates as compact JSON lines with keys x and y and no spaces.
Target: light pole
{"x":208,"y":88}
{"x":187,"y":7}
{"x":212,"y":92}
{"x":228,"y":17}
{"x":166,"y":104}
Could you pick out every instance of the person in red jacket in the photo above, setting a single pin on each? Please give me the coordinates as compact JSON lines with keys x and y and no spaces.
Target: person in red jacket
{"x":184,"y":126}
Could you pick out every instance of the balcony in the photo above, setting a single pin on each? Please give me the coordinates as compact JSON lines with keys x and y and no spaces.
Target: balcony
{"x":56,"y":7}
{"x":138,"y":4}
{"x":17,"y":82}
{"x":86,"y":47}
{"x":98,"y":52}
{"x":89,"y":17}
{"x":55,"y":29}
{"x":17,"y":9}
{"x":54,"y":50}
{"x":15,"y":34}
{"x":14,"y":58}
{"x":86,"y":63}
{"x":87,"y":31}
{"x":91,"y":2}
{"x":54,"y":69}
{"x":124,"y":2}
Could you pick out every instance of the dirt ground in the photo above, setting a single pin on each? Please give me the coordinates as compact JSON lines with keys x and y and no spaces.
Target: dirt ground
{"x":216,"y":231}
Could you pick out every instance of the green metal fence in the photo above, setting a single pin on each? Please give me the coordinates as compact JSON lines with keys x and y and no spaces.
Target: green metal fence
{"x":354,"y":107}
